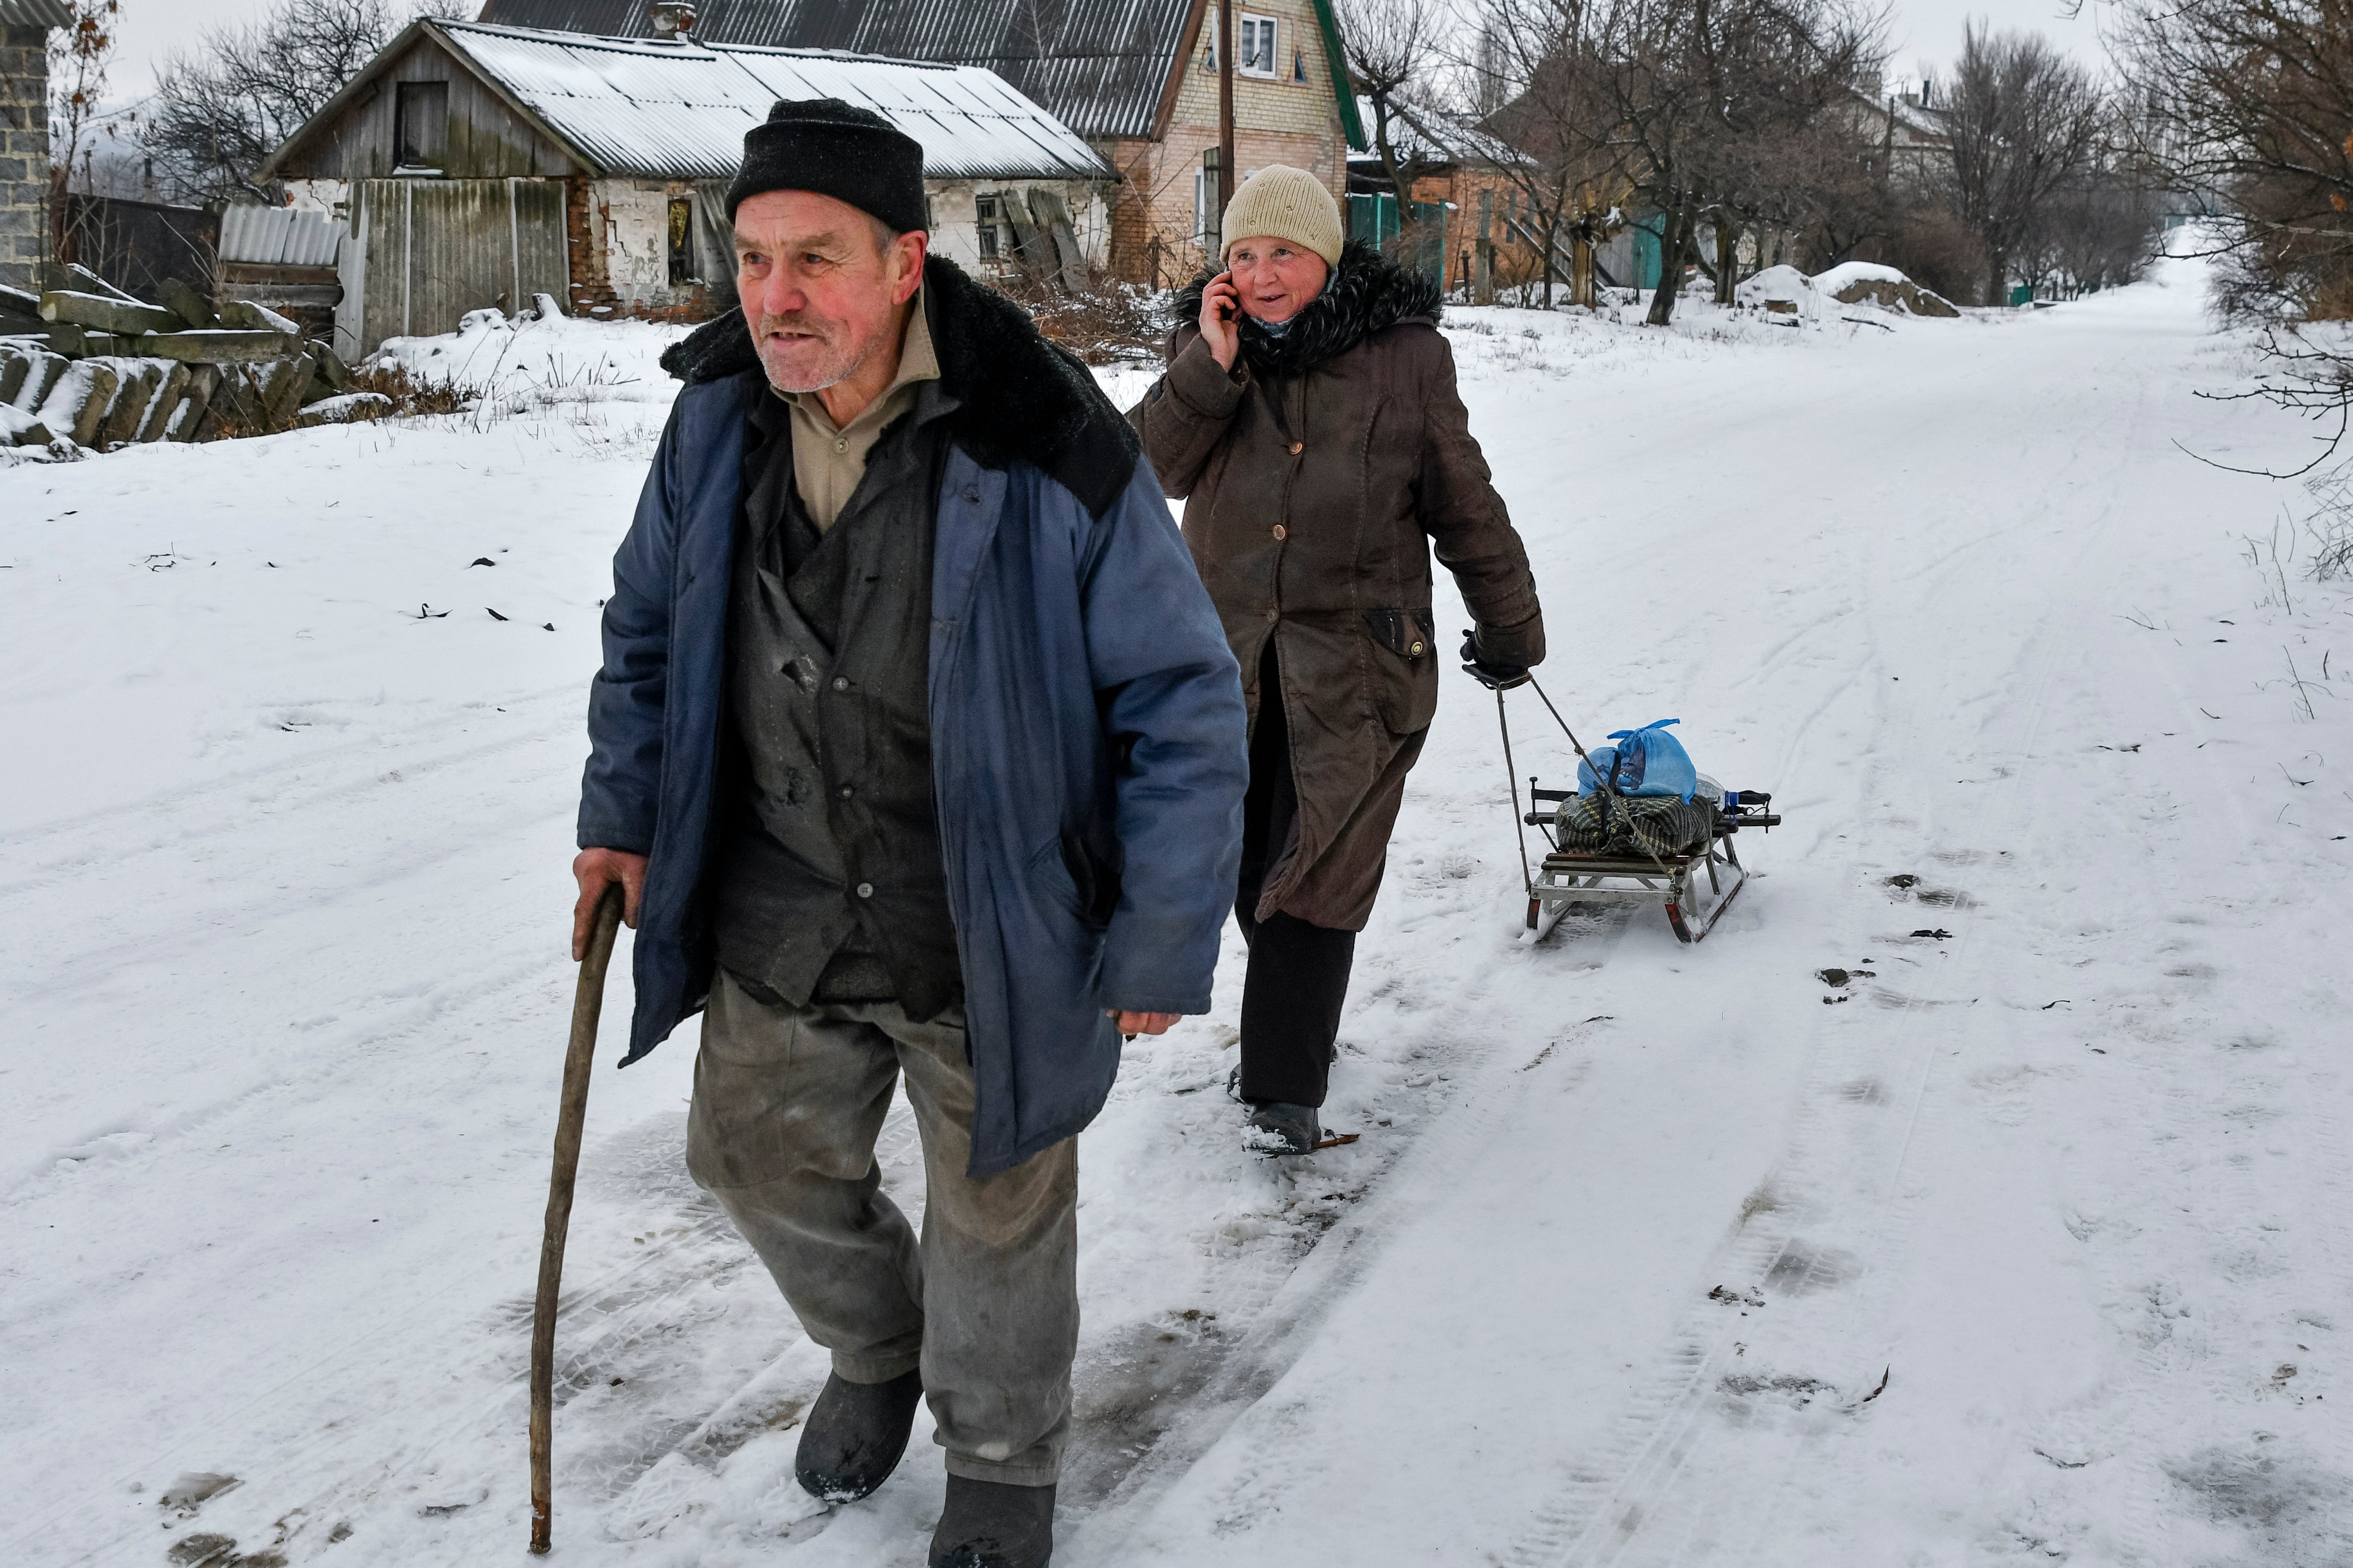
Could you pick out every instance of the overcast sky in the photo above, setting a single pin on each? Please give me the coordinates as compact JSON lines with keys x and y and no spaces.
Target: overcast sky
{"x":1927,"y":30}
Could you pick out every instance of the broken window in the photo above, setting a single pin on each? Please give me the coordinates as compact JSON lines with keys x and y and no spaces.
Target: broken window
{"x":989,"y":215}
{"x":681,"y":240}
{"x":1256,"y":55}
{"x":420,"y":124}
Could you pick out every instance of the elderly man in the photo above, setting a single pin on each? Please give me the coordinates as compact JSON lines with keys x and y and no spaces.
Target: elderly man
{"x":917,"y":749}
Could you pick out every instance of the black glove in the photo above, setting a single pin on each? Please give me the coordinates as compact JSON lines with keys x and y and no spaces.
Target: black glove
{"x":1493,"y":676}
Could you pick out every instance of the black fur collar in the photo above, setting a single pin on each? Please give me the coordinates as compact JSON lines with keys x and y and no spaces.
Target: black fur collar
{"x":1020,"y":397}
{"x":1367,"y":293}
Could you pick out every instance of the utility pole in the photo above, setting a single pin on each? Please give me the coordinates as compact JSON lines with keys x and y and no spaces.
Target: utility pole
{"x":1226,"y":46}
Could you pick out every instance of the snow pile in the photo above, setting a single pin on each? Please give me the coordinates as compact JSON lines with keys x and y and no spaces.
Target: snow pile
{"x":1849,"y":272}
{"x":347,"y":406}
{"x":1868,"y":283}
{"x":1784,"y":290}
{"x":1784,"y":286}
{"x":542,"y":360}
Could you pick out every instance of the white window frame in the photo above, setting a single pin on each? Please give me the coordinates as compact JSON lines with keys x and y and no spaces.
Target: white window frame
{"x":1201,"y":205}
{"x":1266,"y":33}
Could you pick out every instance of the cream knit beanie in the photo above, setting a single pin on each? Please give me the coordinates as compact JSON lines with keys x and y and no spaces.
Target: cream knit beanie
{"x":1288,"y":203}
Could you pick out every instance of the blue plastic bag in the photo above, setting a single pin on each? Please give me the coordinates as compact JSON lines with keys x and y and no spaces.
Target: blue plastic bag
{"x":1645,"y":762}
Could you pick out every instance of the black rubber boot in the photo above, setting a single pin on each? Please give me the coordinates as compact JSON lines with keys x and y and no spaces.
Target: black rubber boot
{"x":1277,"y":1127}
{"x":987,"y":1524}
{"x":854,"y":1436}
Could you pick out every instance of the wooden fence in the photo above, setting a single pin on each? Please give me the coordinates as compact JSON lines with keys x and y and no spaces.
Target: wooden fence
{"x":425,"y":252}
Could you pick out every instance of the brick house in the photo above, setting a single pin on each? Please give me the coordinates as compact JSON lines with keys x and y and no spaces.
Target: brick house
{"x":1468,"y":227}
{"x":481,"y":165}
{"x":24,"y":28}
{"x":1138,"y":79}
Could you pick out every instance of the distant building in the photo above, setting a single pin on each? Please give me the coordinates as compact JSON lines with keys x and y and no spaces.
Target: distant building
{"x":481,"y":165}
{"x":25,"y":136}
{"x":1905,"y":131}
{"x":1136,"y":78}
{"x":1469,"y":226}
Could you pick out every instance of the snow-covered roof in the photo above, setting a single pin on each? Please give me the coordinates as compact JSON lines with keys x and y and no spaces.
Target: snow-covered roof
{"x":1101,"y":67}
{"x":42,"y":14}
{"x":1920,"y":119}
{"x":680,"y":108}
{"x":1419,"y":133}
{"x":1921,"y":122}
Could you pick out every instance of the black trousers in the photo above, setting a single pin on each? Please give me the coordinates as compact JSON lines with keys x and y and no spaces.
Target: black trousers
{"x":1298,"y":975}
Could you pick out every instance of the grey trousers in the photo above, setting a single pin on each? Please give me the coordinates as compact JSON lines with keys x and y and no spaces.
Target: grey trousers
{"x":787,"y":1104}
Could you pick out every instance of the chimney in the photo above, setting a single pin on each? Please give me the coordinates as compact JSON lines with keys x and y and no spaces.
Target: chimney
{"x":673,"y":20}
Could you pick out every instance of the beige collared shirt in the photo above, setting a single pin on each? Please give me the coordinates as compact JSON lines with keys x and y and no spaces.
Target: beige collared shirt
{"x":829,"y":459}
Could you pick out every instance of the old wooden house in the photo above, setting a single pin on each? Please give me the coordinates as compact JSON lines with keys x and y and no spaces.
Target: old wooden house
{"x":484,"y":165}
{"x":1138,"y":79}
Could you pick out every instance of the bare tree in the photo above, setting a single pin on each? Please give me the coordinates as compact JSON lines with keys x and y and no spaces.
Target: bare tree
{"x":2102,"y":231}
{"x":2024,"y":121}
{"x":2243,"y":105}
{"x":1714,"y":102}
{"x":1552,"y":137}
{"x":80,"y":54}
{"x":220,"y":111}
{"x":1848,"y":192}
{"x":1392,"y":48}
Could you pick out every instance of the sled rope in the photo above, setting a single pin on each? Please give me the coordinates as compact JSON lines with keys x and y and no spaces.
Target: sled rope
{"x":1511,"y":777}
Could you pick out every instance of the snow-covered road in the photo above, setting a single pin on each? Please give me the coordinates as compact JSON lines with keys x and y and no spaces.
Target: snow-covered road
{"x":2023,"y":1245}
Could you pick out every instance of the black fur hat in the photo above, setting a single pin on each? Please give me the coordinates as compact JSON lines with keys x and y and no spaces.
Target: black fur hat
{"x":836,"y":150}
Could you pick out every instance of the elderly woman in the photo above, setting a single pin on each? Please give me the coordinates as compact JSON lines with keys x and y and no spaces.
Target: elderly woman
{"x":1309,"y":420}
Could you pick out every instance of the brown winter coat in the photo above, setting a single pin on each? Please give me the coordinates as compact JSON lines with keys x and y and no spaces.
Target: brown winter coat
{"x":1317,"y":476}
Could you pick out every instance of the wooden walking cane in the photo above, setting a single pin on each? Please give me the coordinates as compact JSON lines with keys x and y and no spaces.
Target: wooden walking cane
{"x":572,"y":1113}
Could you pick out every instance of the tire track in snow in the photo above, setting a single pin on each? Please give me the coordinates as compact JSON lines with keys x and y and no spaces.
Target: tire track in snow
{"x":1622,"y":1504}
{"x":1412,"y":1181}
{"x":601,"y":1319}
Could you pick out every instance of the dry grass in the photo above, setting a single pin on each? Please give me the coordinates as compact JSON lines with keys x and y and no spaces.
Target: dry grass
{"x":411,"y":397}
{"x":1111,"y":323}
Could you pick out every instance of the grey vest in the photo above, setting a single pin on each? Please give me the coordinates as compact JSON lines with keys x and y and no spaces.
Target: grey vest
{"x":830,"y":885}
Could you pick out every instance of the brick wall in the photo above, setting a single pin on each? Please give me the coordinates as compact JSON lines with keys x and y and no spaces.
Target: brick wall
{"x":617,"y":235}
{"x":1283,"y":120}
{"x":1515,"y":260}
{"x":24,"y":154}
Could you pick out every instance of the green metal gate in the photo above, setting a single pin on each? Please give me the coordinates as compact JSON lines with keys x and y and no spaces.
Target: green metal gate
{"x":1374,"y":219}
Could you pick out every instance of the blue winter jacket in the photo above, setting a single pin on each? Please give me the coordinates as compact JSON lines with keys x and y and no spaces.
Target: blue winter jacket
{"x":1087,"y":723}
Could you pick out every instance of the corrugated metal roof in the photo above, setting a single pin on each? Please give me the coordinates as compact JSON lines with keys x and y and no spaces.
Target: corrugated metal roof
{"x":1419,"y":133}
{"x":35,"y":13}
{"x":279,"y":237}
{"x":1098,"y":66}
{"x":681,"y":109}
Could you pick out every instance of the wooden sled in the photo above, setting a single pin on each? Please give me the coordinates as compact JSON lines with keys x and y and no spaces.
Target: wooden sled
{"x":1571,"y":877}
{"x":1567,"y":877}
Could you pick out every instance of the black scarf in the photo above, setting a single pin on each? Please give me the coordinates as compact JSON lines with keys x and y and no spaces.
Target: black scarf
{"x":1366,"y":293}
